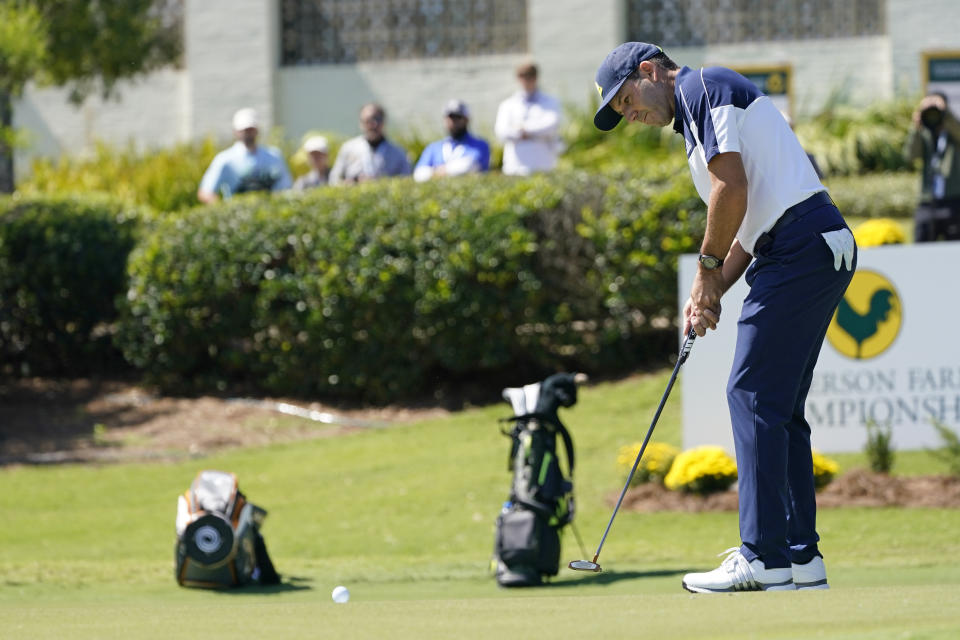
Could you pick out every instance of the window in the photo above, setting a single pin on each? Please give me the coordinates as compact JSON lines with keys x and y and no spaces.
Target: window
{"x":345,"y":31}
{"x":681,"y":23}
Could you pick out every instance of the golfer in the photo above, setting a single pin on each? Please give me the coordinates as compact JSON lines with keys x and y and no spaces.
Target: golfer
{"x":766,"y":210}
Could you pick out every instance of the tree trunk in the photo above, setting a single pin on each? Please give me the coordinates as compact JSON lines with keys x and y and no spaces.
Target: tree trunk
{"x":6,"y":151}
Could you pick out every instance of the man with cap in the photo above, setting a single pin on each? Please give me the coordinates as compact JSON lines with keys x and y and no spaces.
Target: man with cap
{"x":370,"y":155}
{"x":316,"y":149}
{"x":457,"y":154}
{"x":245,"y":166}
{"x":528,"y":124}
{"x":766,"y":210}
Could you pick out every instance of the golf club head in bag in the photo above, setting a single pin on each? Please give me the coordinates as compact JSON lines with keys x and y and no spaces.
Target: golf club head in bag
{"x":593,"y":565}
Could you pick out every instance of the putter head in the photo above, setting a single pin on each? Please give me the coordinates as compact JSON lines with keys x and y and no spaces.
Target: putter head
{"x":585,"y":565}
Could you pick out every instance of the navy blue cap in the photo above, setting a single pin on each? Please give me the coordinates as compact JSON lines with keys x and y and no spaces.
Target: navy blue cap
{"x":619,"y":64}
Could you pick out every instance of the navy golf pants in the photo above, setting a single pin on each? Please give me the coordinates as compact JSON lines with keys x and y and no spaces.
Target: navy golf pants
{"x":794,"y":290}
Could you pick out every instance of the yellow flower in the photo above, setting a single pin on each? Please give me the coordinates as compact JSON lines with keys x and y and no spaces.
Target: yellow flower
{"x":656,"y":461}
{"x":878,"y":231}
{"x":824,"y":470}
{"x":702,"y":470}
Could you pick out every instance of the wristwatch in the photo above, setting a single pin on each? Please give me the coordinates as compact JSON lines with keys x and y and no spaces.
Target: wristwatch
{"x":710,"y":263}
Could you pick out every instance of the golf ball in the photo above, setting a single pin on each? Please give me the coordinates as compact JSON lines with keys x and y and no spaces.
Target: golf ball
{"x":340,"y":594}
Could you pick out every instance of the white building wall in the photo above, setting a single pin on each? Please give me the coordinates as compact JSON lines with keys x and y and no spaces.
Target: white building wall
{"x":566,"y":38}
{"x":145,"y":112}
{"x":916,"y":26}
{"x":231,"y":57}
{"x":232,"y":60}
{"x":859,"y":70}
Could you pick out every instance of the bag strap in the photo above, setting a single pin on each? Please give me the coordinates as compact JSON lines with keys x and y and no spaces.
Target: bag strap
{"x":559,"y":427}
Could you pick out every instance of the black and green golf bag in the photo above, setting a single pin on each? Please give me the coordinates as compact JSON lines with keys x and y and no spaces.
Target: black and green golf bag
{"x":218,"y":536}
{"x":527,"y":545}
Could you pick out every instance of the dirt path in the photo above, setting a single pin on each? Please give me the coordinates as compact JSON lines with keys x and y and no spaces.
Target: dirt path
{"x":50,"y":421}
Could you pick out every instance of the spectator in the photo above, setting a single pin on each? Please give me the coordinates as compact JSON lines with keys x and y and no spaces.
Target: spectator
{"x":245,"y":166}
{"x":528,"y":124}
{"x":316,"y":149}
{"x":370,"y":155}
{"x":935,"y":139}
{"x":457,"y":154}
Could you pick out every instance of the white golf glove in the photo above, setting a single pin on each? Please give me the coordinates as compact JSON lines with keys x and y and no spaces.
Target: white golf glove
{"x":841,"y":243}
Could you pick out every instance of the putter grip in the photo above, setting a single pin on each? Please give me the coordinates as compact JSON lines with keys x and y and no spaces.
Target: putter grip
{"x":687,"y":345}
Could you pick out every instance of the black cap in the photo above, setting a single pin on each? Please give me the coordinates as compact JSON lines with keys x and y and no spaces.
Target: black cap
{"x":619,"y":64}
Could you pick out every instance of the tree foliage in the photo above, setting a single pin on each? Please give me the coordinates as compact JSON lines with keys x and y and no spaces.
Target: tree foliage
{"x":85,"y":45}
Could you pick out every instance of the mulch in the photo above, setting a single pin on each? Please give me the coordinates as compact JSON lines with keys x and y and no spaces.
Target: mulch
{"x":855,"y":488}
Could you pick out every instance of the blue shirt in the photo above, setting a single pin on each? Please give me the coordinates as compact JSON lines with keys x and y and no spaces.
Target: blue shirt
{"x":236,"y":170}
{"x":719,"y":111}
{"x":466,"y":155}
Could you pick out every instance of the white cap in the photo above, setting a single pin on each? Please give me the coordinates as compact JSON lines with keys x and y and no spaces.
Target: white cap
{"x":245,"y":119}
{"x":315,"y":143}
{"x":456,"y":108}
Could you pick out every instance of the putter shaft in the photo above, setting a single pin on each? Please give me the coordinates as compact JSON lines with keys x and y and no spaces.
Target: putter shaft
{"x":684,"y":352}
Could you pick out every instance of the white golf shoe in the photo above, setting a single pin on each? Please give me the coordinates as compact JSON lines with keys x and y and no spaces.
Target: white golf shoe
{"x":812,"y":575}
{"x":736,"y":574}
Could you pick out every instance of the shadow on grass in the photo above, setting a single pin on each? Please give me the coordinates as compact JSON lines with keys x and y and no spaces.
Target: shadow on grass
{"x":287,"y":584}
{"x":609,"y":577}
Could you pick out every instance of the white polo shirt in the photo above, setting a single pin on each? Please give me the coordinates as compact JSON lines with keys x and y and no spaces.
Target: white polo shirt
{"x":537,"y":115}
{"x":720,"y":111}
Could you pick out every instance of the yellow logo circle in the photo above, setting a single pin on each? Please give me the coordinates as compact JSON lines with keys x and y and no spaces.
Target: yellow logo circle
{"x":868,"y":318}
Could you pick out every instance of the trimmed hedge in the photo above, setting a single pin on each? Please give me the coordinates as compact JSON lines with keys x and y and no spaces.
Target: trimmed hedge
{"x":381,"y":290}
{"x":62,"y":264}
{"x":877,"y":195}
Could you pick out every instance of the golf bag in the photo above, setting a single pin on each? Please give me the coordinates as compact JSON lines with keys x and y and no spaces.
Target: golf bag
{"x":527,"y":544}
{"x":218,"y":536}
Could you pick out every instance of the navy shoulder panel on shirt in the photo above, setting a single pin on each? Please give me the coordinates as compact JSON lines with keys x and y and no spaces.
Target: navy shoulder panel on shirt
{"x":726,"y":86}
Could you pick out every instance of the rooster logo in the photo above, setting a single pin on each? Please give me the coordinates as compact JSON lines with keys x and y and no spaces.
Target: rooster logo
{"x":868,"y":318}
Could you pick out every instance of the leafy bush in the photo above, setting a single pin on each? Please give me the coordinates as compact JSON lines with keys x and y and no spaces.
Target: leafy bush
{"x":879,"y":447}
{"x":163,"y":179}
{"x":702,"y":470}
{"x":847,"y":139}
{"x":824,"y":470}
{"x":653,"y":467}
{"x":877,"y":195}
{"x":62,"y":264}
{"x":878,"y":232}
{"x":380,"y":290}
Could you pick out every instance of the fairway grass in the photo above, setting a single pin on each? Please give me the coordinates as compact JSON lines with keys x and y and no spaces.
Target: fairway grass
{"x":404,"y":518}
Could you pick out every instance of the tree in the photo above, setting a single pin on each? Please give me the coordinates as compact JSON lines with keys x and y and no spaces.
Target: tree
{"x":86,"y":45}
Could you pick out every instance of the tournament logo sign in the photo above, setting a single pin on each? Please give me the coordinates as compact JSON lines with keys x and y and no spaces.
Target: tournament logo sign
{"x":868,"y":318}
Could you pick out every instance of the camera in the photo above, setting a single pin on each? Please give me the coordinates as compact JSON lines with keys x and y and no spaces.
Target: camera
{"x":931,"y":117}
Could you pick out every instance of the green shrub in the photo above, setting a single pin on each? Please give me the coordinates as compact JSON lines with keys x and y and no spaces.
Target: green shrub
{"x":847,"y":139}
{"x":62,"y":264}
{"x":163,"y":179}
{"x":950,"y":453}
{"x":381,"y":290}
{"x":879,"y":195}
{"x":879,"y":447}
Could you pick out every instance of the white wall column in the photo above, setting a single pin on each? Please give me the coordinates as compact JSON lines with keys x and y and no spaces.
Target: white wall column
{"x":231,"y":58}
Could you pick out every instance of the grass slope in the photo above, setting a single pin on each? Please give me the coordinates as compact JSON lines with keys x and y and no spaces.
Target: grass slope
{"x":404,"y":517}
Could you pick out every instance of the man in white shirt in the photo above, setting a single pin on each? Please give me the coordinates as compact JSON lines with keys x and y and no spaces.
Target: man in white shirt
{"x":528,"y":124}
{"x":245,"y":166}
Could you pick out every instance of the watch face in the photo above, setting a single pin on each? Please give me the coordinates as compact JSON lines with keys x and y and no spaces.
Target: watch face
{"x":710,"y":262}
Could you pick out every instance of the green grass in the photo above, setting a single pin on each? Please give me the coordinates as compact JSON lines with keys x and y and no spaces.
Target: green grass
{"x":404,"y":517}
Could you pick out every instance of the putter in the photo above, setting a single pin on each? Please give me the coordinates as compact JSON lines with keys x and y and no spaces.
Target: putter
{"x":592,"y":565}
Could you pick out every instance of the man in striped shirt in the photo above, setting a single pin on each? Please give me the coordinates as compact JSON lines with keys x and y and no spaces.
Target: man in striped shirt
{"x":766,"y":210}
